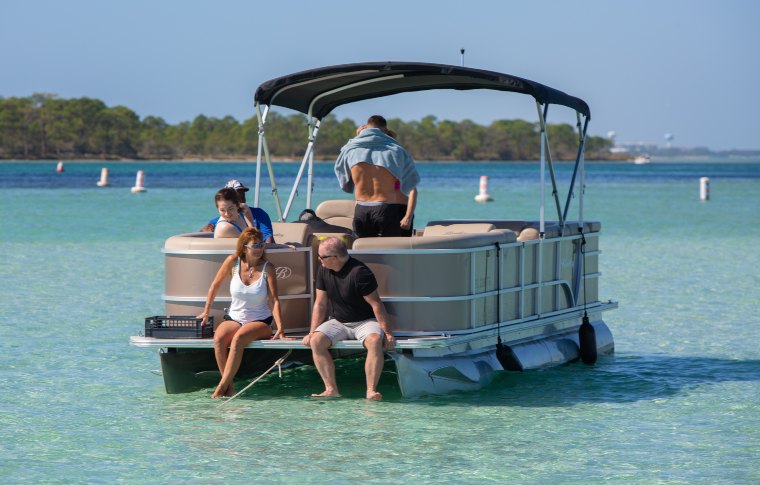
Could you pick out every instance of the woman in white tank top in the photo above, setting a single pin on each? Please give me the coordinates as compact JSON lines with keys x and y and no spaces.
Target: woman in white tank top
{"x":255,"y":303}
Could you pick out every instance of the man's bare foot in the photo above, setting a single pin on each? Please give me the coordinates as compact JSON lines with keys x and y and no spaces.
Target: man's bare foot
{"x":374,"y":396}
{"x":327,"y":393}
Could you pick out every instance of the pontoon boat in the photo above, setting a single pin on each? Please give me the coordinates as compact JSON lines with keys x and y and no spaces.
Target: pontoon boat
{"x":525,"y":295}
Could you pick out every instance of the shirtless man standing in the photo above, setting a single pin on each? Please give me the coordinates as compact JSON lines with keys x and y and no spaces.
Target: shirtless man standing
{"x":383,"y":178}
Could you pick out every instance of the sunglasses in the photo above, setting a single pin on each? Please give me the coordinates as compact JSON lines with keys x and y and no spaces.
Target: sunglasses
{"x":258,"y":245}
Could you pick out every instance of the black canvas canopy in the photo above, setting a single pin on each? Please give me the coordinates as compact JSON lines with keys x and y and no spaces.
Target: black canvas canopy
{"x":321,"y":90}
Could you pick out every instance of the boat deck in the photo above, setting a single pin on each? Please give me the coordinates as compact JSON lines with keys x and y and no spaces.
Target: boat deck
{"x":510,"y":332}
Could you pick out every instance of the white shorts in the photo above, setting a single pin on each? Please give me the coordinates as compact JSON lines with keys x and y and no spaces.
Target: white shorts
{"x":337,"y":331}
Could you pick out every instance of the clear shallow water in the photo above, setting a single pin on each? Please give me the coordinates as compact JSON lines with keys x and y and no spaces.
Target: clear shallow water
{"x":679,"y":402}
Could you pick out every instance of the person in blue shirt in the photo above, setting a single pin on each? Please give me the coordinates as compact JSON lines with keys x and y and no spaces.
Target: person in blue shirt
{"x":260,"y":218}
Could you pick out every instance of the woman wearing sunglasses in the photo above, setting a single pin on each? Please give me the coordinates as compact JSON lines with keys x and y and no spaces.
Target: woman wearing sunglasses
{"x":255,"y":303}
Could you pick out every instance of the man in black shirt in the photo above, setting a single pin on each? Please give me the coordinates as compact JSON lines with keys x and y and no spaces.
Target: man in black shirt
{"x":358,"y":313}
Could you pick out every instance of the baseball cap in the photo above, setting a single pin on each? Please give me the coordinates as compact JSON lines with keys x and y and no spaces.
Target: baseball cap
{"x":237,"y":185}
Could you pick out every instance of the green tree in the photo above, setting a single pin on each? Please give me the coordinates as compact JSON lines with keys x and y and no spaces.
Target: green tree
{"x":15,"y":135}
{"x":333,"y":134}
{"x":42,"y":125}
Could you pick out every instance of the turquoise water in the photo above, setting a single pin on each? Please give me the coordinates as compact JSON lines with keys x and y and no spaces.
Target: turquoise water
{"x":679,"y":402}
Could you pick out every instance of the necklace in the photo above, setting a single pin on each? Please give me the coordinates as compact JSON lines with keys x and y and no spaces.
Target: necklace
{"x":251,"y":270}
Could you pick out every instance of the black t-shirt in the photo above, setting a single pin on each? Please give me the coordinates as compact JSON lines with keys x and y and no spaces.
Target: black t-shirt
{"x":346,"y":290}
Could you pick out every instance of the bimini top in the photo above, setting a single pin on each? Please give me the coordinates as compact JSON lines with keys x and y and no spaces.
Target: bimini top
{"x":321,"y":90}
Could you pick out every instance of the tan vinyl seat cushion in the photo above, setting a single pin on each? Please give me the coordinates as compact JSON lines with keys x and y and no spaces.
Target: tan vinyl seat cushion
{"x":453,"y":241}
{"x":337,"y":212}
{"x":291,"y":232}
{"x":528,"y":234}
{"x":451,"y":229}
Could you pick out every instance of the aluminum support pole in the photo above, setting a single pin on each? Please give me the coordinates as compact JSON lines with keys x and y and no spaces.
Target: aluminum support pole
{"x":310,"y":175}
{"x":263,"y":144}
{"x":261,"y":119}
{"x":543,"y":170}
{"x":309,"y":148}
{"x":582,"y":179}
{"x":541,"y":221}
{"x":550,"y":161}
{"x":581,"y":149}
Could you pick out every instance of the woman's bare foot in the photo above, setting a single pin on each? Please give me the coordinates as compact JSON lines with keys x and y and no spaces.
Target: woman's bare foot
{"x":374,"y":396}
{"x":230,"y":391}
{"x":219,"y":392}
{"x":327,"y":393}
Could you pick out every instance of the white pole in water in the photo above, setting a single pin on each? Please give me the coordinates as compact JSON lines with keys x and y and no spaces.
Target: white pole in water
{"x":59,"y":168}
{"x":103,"y":182}
{"x":704,"y":188}
{"x":483,"y":195}
{"x":139,"y":183}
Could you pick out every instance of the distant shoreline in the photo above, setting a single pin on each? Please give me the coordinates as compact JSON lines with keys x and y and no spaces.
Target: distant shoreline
{"x":127,"y":161}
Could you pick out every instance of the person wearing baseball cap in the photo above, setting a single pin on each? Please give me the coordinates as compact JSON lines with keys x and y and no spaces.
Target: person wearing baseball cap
{"x":237,"y":185}
{"x":260,"y":218}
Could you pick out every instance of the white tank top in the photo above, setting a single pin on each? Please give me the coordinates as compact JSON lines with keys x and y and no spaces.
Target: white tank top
{"x":249,"y":303}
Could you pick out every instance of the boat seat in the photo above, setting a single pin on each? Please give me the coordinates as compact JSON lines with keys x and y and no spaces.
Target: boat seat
{"x":450,"y":229}
{"x":452,"y":241}
{"x":337,"y":212}
{"x":200,"y":241}
{"x":592,"y":226}
{"x":291,"y":233}
{"x":205,"y":241}
{"x":515,"y":225}
{"x":530,"y":232}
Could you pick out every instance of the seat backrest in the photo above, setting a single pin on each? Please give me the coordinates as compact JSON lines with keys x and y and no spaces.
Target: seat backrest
{"x":451,"y":229}
{"x":337,"y":212}
{"x":291,"y":233}
{"x":515,"y":225}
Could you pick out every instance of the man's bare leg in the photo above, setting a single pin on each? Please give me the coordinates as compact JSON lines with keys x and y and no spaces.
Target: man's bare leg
{"x":373,"y":366}
{"x":320,"y":344}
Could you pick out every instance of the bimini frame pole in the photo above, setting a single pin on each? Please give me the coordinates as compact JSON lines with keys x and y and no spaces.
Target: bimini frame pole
{"x":555,"y":193}
{"x":309,"y":148}
{"x":582,"y":164}
{"x":541,"y":216}
{"x":261,"y":118}
{"x":578,"y":158}
{"x":263,"y":145}
{"x":310,"y":172}
{"x":542,"y":128}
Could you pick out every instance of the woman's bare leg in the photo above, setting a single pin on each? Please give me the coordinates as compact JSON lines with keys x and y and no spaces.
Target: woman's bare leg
{"x":247,"y":333}
{"x":222,"y":337}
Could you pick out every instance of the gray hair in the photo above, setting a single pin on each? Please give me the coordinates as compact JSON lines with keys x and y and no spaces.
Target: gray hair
{"x":336,"y":245}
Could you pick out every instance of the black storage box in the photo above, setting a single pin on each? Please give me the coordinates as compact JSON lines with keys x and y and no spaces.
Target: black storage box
{"x":178,"y":327}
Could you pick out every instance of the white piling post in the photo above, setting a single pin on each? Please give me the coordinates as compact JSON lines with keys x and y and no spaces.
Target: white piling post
{"x":59,"y":168}
{"x":483,"y":195}
{"x":139,"y":183}
{"x":704,"y":188}
{"x":103,"y":182}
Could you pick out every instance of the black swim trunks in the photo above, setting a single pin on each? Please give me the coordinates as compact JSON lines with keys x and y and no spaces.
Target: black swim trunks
{"x":379,"y":219}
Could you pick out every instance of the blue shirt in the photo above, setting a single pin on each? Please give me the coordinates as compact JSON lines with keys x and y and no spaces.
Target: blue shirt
{"x":261,"y":221}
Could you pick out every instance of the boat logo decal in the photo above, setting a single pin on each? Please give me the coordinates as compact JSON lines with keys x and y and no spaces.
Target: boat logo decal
{"x":283,"y":272}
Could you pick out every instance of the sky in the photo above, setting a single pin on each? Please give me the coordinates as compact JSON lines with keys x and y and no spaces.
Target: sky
{"x":645,"y":67}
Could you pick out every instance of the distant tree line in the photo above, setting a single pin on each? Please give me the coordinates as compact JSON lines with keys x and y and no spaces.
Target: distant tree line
{"x":44,"y":126}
